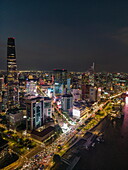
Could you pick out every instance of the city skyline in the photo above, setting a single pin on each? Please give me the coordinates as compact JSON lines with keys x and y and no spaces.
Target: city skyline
{"x":67,"y":34}
{"x":50,"y":116}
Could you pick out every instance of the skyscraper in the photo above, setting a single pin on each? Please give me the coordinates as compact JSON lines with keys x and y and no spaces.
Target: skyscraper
{"x":60,"y":81}
{"x":67,"y":103}
{"x":1,"y":91}
{"x":12,"y":76}
{"x":92,"y":75}
{"x":35,"y":116}
{"x":60,"y":76}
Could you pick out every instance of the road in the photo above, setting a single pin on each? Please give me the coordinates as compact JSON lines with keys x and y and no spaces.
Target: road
{"x":112,"y":154}
{"x":45,"y":153}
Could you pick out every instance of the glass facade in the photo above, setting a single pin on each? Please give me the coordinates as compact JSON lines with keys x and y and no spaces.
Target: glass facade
{"x":35,"y":117}
{"x":68,"y":103}
{"x":12,"y":77}
{"x":47,"y":105}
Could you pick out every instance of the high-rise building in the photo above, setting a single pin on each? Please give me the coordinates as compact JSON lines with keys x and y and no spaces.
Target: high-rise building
{"x":1,"y":90}
{"x":60,"y":76}
{"x":85,"y":91}
{"x":47,"y":109}
{"x":60,"y":81}
{"x":35,"y":115}
{"x":76,"y":93}
{"x":92,"y":94}
{"x":12,"y":76}
{"x":31,"y":88}
{"x":38,"y":109}
{"x":67,"y":103}
{"x":92,"y":75}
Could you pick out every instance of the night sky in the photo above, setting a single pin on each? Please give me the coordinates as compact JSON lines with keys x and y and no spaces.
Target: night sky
{"x":69,"y":34}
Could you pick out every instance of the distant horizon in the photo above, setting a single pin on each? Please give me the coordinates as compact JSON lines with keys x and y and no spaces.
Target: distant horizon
{"x":66,"y":34}
{"x":68,"y":71}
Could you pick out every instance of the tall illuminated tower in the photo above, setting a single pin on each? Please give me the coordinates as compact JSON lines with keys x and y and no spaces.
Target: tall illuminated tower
{"x":12,"y":76}
{"x":91,"y":75}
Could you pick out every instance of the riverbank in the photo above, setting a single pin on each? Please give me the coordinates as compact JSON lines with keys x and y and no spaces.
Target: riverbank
{"x":110,"y":155}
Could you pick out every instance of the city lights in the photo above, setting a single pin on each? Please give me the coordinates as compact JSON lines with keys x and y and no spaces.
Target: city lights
{"x":51,"y":113}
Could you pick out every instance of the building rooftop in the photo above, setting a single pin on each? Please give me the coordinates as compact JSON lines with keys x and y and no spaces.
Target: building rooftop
{"x":59,"y":70}
{"x":3,"y":143}
{"x":44,"y":132}
{"x":14,"y":111}
{"x":30,"y":98}
{"x":67,"y":95}
{"x":47,"y":98}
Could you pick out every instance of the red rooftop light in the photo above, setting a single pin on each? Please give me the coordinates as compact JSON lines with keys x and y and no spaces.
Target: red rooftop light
{"x":12,"y":37}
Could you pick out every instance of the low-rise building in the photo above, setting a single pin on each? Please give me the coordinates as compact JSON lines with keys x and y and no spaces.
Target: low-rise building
{"x":14,"y":117}
{"x":44,"y":134}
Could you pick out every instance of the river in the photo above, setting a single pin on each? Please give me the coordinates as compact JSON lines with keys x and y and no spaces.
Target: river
{"x":112,"y":154}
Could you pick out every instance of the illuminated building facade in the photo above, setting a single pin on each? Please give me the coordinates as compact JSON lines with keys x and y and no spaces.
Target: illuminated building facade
{"x":14,"y":117}
{"x":85,"y":92}
{"x":99,"y":90}
{"x":31,"y":88}
{"x":67,"y":103}
{"x":93,"y":94}
{"x":58,"y":89}
{"x":76,"y":94}
{"x":91,"y":75}
{"x":35,"y":115}
{"x":47,"y":108}
{"x":12,"y":77}
{"x":60,"y":81}
{"x":60,"y":76}
{"x":1,"y":89}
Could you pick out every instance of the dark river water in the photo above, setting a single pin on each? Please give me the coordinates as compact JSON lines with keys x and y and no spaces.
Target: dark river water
{"x":112,"y":154}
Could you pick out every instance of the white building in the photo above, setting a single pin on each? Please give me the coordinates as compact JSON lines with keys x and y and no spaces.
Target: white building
{"x":76,"y":113}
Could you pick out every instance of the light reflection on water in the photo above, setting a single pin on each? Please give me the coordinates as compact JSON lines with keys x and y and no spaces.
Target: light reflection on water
{"x":124,"y":128}
{"x":113,"y":153}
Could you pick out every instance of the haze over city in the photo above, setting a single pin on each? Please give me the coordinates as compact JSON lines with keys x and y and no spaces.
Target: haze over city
{"x":66,"y":34}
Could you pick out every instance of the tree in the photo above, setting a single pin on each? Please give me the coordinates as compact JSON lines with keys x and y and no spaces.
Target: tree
{"x":57,"y":158}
